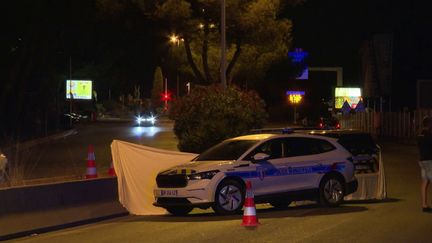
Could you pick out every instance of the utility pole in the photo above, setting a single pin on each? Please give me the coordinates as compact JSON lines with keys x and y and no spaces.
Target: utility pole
{"x":166,"y":95}
{"x":188,"y":84}
{"x":178,"y":86}
{"x":223,"y":46}
{"x":70,"y":91}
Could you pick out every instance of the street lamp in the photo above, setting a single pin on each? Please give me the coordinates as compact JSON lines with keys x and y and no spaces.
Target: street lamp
{"x":175,"y":39}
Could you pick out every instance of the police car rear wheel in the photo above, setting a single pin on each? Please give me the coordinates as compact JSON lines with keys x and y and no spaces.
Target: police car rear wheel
{"x":331,"y":191}
{"x":178,"y":210}
{"x":229,"y":198}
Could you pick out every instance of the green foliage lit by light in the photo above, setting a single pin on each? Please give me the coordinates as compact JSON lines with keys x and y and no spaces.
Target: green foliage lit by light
{"x":211,"y":114}
{"x":257,"y":35}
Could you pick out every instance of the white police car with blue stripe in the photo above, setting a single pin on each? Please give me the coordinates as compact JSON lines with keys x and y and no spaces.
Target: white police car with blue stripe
{"x":282,"y":168}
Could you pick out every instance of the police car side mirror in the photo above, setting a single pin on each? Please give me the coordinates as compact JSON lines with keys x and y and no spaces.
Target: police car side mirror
{"x":260,"y":157}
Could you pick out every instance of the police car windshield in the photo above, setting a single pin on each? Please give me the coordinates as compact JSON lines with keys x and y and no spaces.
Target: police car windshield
{"x":227,"y":150}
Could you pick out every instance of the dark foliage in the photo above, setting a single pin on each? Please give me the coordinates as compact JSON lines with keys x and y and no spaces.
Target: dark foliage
{"x":211,"y":114}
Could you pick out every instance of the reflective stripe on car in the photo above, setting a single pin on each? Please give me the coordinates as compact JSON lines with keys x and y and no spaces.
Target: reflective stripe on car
{"x":284,"y":171}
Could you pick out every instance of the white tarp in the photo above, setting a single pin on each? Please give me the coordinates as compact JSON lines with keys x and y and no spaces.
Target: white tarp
{"x":136,"y":167}
{"x":371,"y":185}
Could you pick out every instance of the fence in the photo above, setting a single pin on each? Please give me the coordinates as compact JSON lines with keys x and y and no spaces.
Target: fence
{"x":386,"y":124}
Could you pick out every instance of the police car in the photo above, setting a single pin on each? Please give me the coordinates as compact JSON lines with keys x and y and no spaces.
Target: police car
{"x":281,"y":167}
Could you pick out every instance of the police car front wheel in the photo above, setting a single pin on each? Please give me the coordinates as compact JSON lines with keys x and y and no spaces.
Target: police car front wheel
{"x":229,"y":197}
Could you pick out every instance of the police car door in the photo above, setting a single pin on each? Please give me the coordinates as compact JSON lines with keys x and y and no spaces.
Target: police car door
{"x":302,"y":163}
{"x":267,"y":179}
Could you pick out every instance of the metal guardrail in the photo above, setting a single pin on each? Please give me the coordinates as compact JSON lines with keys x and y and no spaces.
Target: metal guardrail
{"x":401,"y":124}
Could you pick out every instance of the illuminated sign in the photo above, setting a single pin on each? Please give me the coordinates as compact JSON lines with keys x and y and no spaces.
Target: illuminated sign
{"x":298,"y":58}
{"x":295,"y":97}
{"x":81,"y":89}
{"x":351,"y":95}
{"x":298,"y":55}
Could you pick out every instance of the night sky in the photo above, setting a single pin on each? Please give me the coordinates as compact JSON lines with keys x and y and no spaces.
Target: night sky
{"x":332,"y":33}
{"x":333,"y":30}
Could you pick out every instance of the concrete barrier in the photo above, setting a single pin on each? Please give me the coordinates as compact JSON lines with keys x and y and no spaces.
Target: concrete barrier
{"x":34,"y":209}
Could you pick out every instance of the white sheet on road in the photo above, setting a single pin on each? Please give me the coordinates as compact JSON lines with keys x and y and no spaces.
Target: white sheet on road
{"x":371,"y":185}
{"x":136,"y":167}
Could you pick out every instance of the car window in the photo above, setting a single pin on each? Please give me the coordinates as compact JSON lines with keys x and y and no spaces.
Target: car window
{"x":227,"y":150}
{"x":324,"y":146}
{"x":272,"y":148}
{"x":306,"y":146}
{"x":358,"y":143}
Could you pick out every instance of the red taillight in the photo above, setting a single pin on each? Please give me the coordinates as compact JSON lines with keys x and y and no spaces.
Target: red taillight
{"x":321,"y":125}
{"x":338,"y":126}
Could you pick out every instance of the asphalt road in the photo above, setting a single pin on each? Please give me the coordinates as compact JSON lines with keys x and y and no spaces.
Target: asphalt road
{"x":67,"y":156}
{"x":398,"y":219}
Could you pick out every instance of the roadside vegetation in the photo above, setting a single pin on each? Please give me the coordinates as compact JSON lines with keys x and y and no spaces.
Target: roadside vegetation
{"x":212,"y":114}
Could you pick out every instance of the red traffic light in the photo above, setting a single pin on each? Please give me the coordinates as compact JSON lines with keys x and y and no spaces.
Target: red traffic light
{"x":165,"y":96}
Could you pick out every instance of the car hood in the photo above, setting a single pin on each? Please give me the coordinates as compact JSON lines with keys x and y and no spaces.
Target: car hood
{"x":199,"y":166}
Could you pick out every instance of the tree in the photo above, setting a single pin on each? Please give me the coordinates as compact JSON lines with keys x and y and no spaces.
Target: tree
{"x":157,"y":88}
{"x":256,"y":35}
{"x":211,"y":114}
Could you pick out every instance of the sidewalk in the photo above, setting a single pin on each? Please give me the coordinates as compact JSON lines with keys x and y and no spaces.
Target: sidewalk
{"x":30,"y":210}
{"x":29,"y":223}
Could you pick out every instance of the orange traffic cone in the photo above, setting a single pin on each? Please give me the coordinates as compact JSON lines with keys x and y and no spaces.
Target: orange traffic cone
{"x":249,"y":211}
{"x":91,"y":164}
{"x":111,"y":171}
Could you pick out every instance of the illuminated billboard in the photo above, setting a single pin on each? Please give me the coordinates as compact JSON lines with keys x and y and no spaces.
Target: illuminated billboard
{"x":351,"y":95}
{"x":81,"y":89}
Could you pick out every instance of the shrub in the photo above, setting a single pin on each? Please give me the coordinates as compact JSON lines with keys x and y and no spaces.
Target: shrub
{"x":211,"y":114}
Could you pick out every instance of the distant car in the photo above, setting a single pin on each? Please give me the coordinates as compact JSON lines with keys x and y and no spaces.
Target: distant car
{"x":328,"y":123}
{"x":360,"y":144}
{"x":145,"y":120}
{"x":281,"y":167}
{"x":321,"y":122}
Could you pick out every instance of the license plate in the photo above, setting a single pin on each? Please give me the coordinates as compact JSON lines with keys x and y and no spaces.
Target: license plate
{"x":168,"y":193}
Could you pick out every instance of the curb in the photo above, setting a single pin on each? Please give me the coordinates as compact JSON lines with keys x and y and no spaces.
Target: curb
{"x":61,"y":226}
{"x":37,"y":209}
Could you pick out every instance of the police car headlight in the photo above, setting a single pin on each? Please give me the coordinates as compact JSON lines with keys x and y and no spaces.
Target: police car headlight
{"x":203,"y":175}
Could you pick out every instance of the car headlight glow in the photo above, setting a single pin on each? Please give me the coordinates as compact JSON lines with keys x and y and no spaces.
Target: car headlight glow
{"x":138,"y":119}
{"x":151,"y":119}
{"x":147,"y":119}
{"x":203,"y":175}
